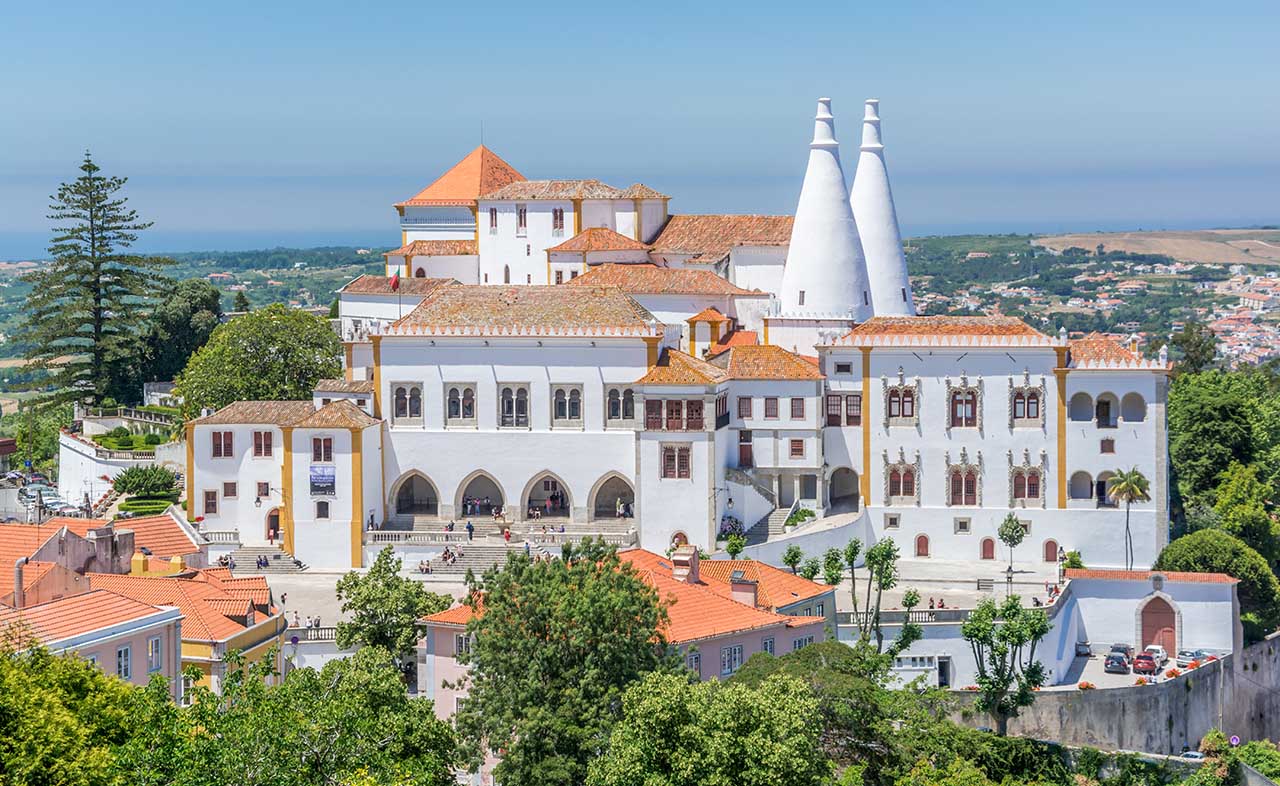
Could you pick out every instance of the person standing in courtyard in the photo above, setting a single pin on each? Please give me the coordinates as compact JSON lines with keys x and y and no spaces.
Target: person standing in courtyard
{"x":471,"y":531}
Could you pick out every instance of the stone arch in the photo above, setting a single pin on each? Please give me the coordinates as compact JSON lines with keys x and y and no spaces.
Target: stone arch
{"x":420,"y":273}
{"x":536,"y":492}
{"x":1050,"y":550}
{"x":679,"y":539}
{"x":602,"y":501}
{"x":479,"y":484}
{"x":922,"y":545}
{"x":418,"y":493}
{"x":1106,"y":410}
{"x":271,"y":525}
{"x":1157,"y":620}
{"x":843,"y":491}
{"x":1133,"y":408}
{"x":1103,"y":489}
{"x":987,"y":549}
{"x":1080,"y":486}
{"x":1081,"y":407}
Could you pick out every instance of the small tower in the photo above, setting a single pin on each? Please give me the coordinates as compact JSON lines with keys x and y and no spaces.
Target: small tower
{"x":877,"y":222}
{"x":825,"y":275}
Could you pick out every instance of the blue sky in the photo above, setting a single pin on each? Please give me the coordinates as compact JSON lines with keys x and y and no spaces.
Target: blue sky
{"x":256,"y":124}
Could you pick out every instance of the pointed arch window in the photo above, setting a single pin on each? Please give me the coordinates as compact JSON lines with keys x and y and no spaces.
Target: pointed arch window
{"x":513,"y":406}
{"x":566,"y":406}
{"x":406,"y":407}
{"x":460,"y":405}
{"x":963,"y":487}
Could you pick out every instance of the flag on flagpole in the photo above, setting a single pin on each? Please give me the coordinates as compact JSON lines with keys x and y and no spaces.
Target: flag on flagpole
{"x":395,"y":282}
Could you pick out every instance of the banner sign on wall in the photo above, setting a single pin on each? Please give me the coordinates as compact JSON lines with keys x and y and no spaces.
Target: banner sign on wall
{"x":323,"y":480}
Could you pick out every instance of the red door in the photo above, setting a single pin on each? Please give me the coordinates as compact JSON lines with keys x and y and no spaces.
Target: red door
{"x":1159,"y":625}
{"x":1050,"y":551}
{"x":922,"y":545}
{"x":988,"y":548}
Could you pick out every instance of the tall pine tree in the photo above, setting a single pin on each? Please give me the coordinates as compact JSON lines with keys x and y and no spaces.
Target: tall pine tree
{"x":88,"y":309}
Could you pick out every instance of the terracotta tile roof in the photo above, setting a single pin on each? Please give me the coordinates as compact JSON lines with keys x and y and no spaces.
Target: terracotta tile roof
{"x":555,"y":189}
{"x":599,"y":239}
{"x":18,"y":541}
{"x":765,"y":361}
{"x":1097,"y":348}
{"x":710,"y":237}
{"x":480,"y":172}
{"x":344,"y":386}
{"x":271,"y":413}
{"x":457,"y":615}
{"x":191,"y":593}
{"x":946,"y":326}
{"x":381,"y":285}
{"x":774,"y":587}
{"x":527,"y":310}
{"x":1145,"y":575}
{"x":641,"y":191}
{"x":650,"y":279}
{"x":65,"y":618}
{"x":709,"y":314}
{"x":736,"y":338}
{"x":435,"y":248}
{"x":230,"y":606}
{"x":162,"y":535}
{"x":342,"y":413}
{"x":679,"y":368}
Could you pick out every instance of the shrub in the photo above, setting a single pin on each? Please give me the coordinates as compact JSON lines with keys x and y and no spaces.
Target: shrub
{"x":811,"y":568}
{"x":735,"y":545}
{"x":119,"y":432}
{"x":799,"y":515}
{"x":152,"y":479}
{"x":1074,"y":560}
{"x":153,"y":439}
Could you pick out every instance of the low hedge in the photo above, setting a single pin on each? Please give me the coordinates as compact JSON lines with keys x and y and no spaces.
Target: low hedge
{"x":145,"y":507}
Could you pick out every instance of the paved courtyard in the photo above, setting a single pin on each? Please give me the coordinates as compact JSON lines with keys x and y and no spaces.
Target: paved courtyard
{"x":314,"y":593}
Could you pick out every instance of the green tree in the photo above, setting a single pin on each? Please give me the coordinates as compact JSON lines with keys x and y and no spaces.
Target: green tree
{"x":1011,"y":533}
{"x":852,"y":553}
{"x":274,"y":353}
{"x":180,"y":325}
{"x":833,"y":566}
{"x":1195,"y":348}
{"x":811,"y":568}
{"x":1210,"y":426}
{"x":1216,"y":551}
{"x":1243,"y":508}
{"x":792,"y":557}
{"x":882,"y":574}
{"x":1128,"y":487}
{"x":241,"y":304}
{"x":384,"y":608}
{"x":676,"y":733}
{"x":734,"y":545}
{"x":35,"y":430}
{"x":148,"y":480}
{"x":555,"y":647}
{"x":1003,"y":640}
{"x":88,"y":307}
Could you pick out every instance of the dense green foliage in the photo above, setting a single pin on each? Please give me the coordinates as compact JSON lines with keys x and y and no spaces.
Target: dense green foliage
{"x":145,"y":480}
{"x":384,"y":607}
{"x":1216,"y":551}
{"x":1011,"y":533}
{"x":180,"y":325}
{"x":274,"y":353}
{"x":551,"y":656}
{"x":36,"y":432}
{"x":1003,"y":639}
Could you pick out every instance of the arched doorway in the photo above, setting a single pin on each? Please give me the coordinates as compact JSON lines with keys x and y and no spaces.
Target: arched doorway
{"x":1051,"y":551}
{"x":988,"y":548}
{"x":479,"y":495}
{"x":547,"y":497}
{"x":416,"y":496}
{"x":922,"y":545}
{"x":613,"y":498}
{"x":1160,"y":624}
{"x":679,"y":539}
{"x":844,"y":495}
{"x":273,"y":525}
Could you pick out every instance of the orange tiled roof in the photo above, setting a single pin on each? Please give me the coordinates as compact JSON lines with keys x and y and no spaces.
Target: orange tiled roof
{"x":272,"y":413}
{"x":709,"y":314}
{"x":710,"y":237}
{"x":945,"y":326}
{"x":435,"y":248}
{"x":1097,"y":348}
{"x":555,"y":189}
{"x":774,"y":587}
{"x":344,"y":386}
{"x":527,"y":310}
{"x":599,"y":239}
{"x":480,"y":172}
{"x":456,"y":615}
{"x":1145,"y":575}
{"x":381,"y":285}
{"x":162,"y":535}
{"x":64,"y":618}
{"x":765,"y":361}
{"x":641,"y":191}
{"x":680,"y":368}
{"x":342,"y":413}
{"x":736,"y":338}
{"x":650,"y":279}
{"x":18,"y":541}
{"x":203,"y":621}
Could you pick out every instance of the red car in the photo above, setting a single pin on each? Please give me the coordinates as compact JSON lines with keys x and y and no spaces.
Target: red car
{"x":1145,"y":664}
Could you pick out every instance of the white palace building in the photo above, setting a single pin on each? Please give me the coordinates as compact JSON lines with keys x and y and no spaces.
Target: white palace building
{"x":572,"y":347}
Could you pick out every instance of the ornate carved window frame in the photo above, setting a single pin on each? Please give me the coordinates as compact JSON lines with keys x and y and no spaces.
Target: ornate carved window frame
{"x":1026,"y":387}
{"x":1026,"y":466}
{"x":902,"y":500}
{"x":965,"y":387}
{"x":901,"y":386}
{"x":964,"y":465}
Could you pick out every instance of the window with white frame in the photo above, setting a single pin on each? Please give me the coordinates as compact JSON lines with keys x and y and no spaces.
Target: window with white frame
{"x":406,"y":404}
{"x":460,"y":404}
{"x":229,"y":490}
{"x":493,"y":220}
{"x":730,"y":659}
{"x":322,"y":450}
{"x":694,"y":661}
{"x":522,"y":220}
{"x":675,"y":462}
{"x":210,"y":503}
{"x":124,"y":667}
{"x":513,"y":405}
{"x":892,"y":520}
{"x":844,"y":368}
{"x":222,"y":445}
{"x":821,"y":609}
{"x":566,"y":405}
{"x":620,"y":406}
{"x":461,"y":642}
{"x":557,"y":221}
{"x":963,"y":525}
{"x":262,"y":446}
{"x":801,"y":643}
{"x":767,"y":645}
{"x":155,"y":654}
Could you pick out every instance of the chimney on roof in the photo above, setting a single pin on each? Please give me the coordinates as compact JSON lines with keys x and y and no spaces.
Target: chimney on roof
{"x":877,"y":220}
{"x":684,"y":564}
{"x":19,"y":591}
{"x":742,"y":589}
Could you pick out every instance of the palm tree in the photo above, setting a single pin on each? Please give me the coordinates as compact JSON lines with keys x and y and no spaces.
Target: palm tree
{"x":1128,"y":487}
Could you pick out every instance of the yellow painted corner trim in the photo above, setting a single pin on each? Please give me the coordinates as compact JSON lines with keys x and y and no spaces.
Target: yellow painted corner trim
{"x":348,"y":373}
{"x":653,"y":345}
{"x":577,"y":217}
{"x":864,"y":477}
{"x":377,"y":375}
{"x":286,"y":489}
{"x":357,"y":497}
{"x":1060,"y":374}
{"x":766,"y":331}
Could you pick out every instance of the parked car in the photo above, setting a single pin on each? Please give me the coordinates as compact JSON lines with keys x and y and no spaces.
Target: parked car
{"x":1193,"y":755}
{"x":1185,"y":657}
{"x":1084,"y":649}
{"x":1116,"y":663}
{"x":1157,"y":652}
{"x":1145,"y":663}
{"x":1124,"y":649}
{"x":31,"y":491}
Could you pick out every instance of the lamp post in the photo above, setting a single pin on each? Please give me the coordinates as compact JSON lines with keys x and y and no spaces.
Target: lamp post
{"x":1062,"y":565}
{"x":1008,"y":581}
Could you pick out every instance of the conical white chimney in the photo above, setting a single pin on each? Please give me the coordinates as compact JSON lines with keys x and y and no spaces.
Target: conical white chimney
{"x":877,"y":221}
{"x":825,"y":275}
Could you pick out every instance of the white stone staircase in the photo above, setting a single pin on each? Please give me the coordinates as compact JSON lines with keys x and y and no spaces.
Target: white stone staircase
{"x":278,"y":560}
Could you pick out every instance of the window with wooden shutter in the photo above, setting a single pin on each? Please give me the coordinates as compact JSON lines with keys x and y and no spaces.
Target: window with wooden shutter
{"x":797,"y":448}
{"x":834,"y":406}
{"x":682,"y":462}
{"x":771,"y":408}
{"x":653,"y":415}
{"x":797,"y":409}
{"x":853,"y":410}
{"x":744,"y":407}
{"x":668,"y":462}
